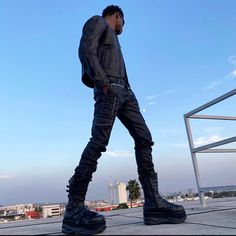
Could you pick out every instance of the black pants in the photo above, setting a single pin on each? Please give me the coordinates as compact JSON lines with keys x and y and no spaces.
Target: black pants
{"x":122,"y":103}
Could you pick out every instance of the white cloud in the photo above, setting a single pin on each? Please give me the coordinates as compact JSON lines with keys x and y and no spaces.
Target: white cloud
{"x":212,"y":130}
{"x":232,"y":59}
{"x":152,"y":97}
{"x":180,"y":145}
{"x":172,"y":131}
{"x":151,"y":103}
{"x":232,"y":74}
{"x":4,"y":177}
{"x":169,"y":91}
{"x":119,"y":153}
{"x":213,"y":84}
{"x":208,"y":139}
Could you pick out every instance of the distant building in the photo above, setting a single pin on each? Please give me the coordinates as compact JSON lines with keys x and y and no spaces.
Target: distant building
{"x":32,"y":215}
{"x":117,"y":193}
{"x":51,"y":210}
{"x":20,"y":208}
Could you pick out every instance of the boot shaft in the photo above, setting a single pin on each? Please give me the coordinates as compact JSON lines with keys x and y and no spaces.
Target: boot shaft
{"x":77,"y":188}
{"x":153,"y":200}
{"x":150,"y":190}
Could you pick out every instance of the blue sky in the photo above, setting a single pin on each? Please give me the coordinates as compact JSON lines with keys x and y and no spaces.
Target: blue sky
{"x":179,"y":55}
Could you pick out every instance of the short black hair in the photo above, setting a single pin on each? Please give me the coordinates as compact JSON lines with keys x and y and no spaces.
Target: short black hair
{"x":112,"y":9}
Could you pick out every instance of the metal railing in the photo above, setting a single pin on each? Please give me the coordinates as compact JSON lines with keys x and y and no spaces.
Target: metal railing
{"x":209,"y":148}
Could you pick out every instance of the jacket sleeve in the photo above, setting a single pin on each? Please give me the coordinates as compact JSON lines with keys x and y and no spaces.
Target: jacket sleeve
{"x":92,"y":32}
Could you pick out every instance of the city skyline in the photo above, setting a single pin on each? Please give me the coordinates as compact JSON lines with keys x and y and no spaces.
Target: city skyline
{"x":179,"y":55}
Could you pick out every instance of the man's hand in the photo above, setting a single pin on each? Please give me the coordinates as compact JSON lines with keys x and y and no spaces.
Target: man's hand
{"x":105,"y":89}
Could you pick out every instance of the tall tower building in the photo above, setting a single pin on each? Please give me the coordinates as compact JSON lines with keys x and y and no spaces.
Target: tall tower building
{"x":117,"y":193}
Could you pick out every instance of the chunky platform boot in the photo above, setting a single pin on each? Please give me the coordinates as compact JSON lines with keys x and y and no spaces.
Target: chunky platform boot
{"x":157,"y":210}
{"x":78,"y":219}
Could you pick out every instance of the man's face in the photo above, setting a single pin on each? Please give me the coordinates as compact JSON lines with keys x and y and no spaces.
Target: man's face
{"x":119,"y":23}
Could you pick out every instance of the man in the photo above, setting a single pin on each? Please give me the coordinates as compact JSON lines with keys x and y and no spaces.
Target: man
{"x":103,"y":69}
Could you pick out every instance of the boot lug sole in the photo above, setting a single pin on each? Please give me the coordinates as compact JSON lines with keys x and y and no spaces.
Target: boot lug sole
{"x":156,"y":218}
{"x":69,"y":229}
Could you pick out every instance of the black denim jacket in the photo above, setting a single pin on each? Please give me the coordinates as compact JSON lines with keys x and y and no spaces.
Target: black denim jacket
{"x":100,"y":53}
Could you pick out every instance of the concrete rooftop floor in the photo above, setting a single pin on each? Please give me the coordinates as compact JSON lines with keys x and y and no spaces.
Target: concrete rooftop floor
{"x":218,"y":218}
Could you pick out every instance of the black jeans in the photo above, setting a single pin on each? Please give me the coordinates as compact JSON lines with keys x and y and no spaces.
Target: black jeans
{"x":119,"y":102}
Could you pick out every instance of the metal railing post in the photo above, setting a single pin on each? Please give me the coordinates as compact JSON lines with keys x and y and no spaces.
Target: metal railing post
{"x":209,"y":148}
{"x":194,"y":160}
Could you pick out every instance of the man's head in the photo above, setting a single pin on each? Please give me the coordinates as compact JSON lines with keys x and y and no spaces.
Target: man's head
{"x":114,"y":17}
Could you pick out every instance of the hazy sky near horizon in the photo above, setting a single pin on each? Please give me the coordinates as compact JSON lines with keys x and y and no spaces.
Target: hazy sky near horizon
{"x":179,"y":55}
